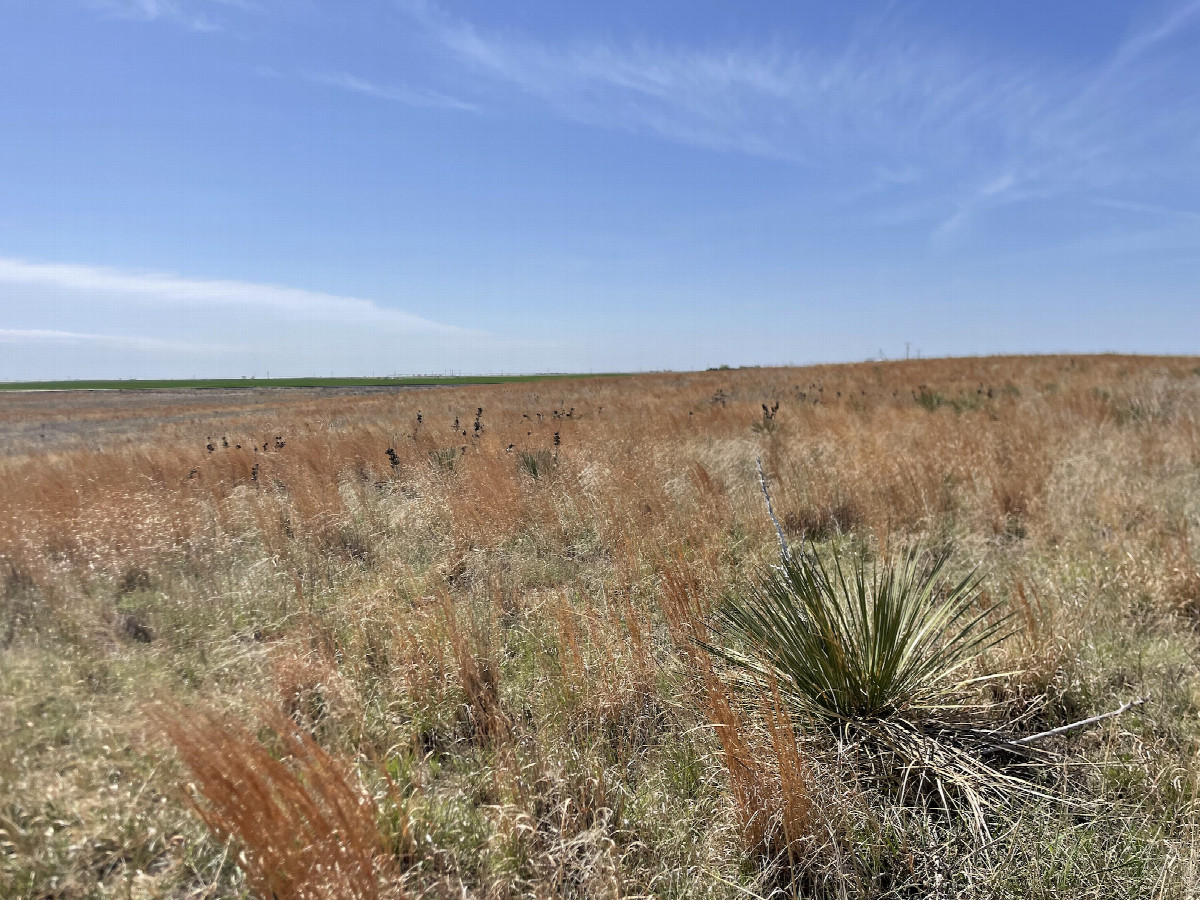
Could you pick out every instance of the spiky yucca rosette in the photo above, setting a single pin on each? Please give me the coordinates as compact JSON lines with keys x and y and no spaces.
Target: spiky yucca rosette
{"x":877,"y":655}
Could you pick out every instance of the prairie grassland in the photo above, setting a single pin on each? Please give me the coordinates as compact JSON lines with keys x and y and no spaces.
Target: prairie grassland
{"x":347,"y":652}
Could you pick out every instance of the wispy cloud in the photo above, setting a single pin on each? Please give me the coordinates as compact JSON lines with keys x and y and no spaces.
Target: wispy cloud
{"x":1004,"y":190}
{"x":112,"y":341}
{"x":172,"y":289}
{"x":1150,"y":209}
{"x":412,"y":96}
{"x":1177,"y":19}
{"x":889,"y":97}
{"x":60,"y":320}
{"x":191,"y":14}
{"x":806,"y":104}
{"x":951,"y":116}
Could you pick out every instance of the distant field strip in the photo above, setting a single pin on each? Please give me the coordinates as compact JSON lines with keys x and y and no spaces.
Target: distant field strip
{"x":228,"y":383}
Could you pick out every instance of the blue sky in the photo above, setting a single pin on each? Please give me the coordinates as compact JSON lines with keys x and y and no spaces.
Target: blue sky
{"x":229,"y":187}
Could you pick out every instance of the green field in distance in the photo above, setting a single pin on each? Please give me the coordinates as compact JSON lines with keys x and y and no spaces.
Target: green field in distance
{"x":310,"y":382}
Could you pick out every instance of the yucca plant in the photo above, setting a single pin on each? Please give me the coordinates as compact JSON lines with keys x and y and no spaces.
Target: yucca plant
{"x":878,"y":654}
{"x":537,"y":464}
{"x":879,"y":640}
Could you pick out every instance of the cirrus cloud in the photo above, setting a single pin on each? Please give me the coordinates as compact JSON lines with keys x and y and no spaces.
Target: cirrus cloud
{"x":66,"y":320}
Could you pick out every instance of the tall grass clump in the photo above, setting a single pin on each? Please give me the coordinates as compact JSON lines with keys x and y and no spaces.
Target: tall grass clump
{"x":879,"y":655}
{"x":537,"y":464}
{"x":303,"y":830}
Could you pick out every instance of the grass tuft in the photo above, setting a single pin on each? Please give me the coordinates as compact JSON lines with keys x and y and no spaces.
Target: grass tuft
{"x":304,"y":831}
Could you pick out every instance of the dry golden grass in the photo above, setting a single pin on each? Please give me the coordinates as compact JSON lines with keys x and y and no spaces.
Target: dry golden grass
{"x":301,"y":828}
{"x":493,"y":632}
